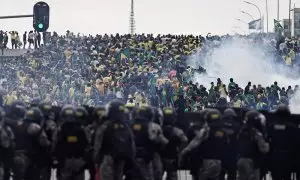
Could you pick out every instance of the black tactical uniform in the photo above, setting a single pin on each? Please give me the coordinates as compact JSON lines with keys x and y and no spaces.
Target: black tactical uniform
{"x":14,"y":112}
{"x":114,"y":143}
{"x":31,"y":145}
{"x":177,"y":140}
{"x":82,"y":115}
{"x":252,"y":146}
{"x":157,"y":162}
{"x":148,"y":139}
{"x":49,"y":127}
{"x":7,"y":143}
{"x":69,"y":145}
{"x":231,"y":126}
{"x":282,"y":135}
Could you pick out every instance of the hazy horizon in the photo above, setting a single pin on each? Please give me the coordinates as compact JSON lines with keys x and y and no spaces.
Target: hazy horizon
{"x":155,"y":16}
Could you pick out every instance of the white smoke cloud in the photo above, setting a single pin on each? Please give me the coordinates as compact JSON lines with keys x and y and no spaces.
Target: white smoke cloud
{"x":295,"y":103}
{"x":244,"y":62}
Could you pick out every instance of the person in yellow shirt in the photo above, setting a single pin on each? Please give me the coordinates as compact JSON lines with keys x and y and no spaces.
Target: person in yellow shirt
{"x":68,"y":54}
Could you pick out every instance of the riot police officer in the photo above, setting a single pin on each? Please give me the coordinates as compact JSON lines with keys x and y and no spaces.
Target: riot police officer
{"x":177,"y":140}
{"x":281,"y":134}
{"x":14,"y":112}
{"x":148,"y":138}
{"x":82,"y":116}
{"x":114,"y":143}
{"x":157,"y":162}
{"x":251,"y":145}
{"x":31,"y":140}
{"x":49,"y":126}
{"x":231,"y":126}
{"x":192,"y":158}
{"x":7,"y":143}
{"x":69,"y":145}
{"x":210,"y":140}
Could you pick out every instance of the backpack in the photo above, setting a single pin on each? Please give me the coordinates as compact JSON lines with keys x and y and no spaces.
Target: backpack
{"x":120,"y":137}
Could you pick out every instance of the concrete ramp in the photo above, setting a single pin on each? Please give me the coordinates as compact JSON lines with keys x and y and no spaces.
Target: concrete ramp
{"x":14,"y":52}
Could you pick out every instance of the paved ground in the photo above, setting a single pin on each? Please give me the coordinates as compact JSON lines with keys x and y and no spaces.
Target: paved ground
{"x":182,"y":175}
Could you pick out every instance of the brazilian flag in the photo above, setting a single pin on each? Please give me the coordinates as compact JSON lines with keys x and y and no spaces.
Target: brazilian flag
{"x":124,"y":53}
{"x":278,"y":27}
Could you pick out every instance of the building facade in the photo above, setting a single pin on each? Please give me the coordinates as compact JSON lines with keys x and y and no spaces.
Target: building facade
{"x":295,"y":22}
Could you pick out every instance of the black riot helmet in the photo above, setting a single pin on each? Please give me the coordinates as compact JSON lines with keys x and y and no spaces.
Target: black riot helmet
{"x":116,"y":110}
{"x":169,"y":116}
{"x":17,"y":110}
{"x":212,"y":115}
{"x":34,"y":115}
{"x":99,"y":113}
{"x":68,"y":114}
{"x":283,"y":111}
{"x":158,"y":116}
{"x":200,"y":121}
{"x":81,"y":114}
{"x":46,"y":108}
{"x":229,"y":114}
{"x":255,"y":119}
{"x":35,"y":102}
{"x":143,"y":112}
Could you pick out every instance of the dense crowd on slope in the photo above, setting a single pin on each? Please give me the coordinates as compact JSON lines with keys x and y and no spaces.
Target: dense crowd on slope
{"x":139,"y":69}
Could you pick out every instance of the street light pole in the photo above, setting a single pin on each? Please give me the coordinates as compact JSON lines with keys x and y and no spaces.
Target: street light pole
{"x":267,"y":14}
{"x":258,"y":11}
{"x":240,"y":29}
{"x":244,"y":23}
{"x":248,"y":14}
{"x":290,"y":24}
{"x":278,"y":7}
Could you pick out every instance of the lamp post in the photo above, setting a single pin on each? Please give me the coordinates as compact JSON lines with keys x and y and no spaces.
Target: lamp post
{"x":236,"y":27}
{"x":267,"y":14}
{"x":290,"y":22}
{"x":278,"y":7}
{"x":242,"y":21}
{"x":258,"y":11}
{"x":248,"y":14}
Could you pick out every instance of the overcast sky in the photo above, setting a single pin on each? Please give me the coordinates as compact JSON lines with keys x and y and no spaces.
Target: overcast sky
{"x":156,"y":16}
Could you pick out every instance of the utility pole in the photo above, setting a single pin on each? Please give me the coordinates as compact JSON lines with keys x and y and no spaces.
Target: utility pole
{"x":290,"y":24}
{"x":267,"y":13}
{"x":132,"y":20}
{"x":278,"y":7}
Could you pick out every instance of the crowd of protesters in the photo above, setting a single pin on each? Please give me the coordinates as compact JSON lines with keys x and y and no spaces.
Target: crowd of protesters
{"x":139,"y":69}
{"x":32,"y":39}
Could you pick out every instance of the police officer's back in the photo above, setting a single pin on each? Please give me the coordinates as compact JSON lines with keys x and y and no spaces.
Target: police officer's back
{"x":7,"y":143}
{"x":252,"y":145}
{"x":282,"y":135}
{"x":70,"y":140}
{"x":209,"y":140}
{"x":149,"y":139}
{"x":114,"y":142}
{"x":70,"y":144}
{"x":31,"y":140}
{"x":230,"y":127}
{"x":177,"y":140}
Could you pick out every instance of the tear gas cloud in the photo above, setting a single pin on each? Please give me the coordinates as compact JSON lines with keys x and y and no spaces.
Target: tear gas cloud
{"x":244,"y":62}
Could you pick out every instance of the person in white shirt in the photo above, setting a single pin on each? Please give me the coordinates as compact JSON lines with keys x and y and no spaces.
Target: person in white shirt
{"x":31,"y":36}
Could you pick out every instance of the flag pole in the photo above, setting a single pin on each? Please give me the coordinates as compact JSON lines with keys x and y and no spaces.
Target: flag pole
{"x":278,"y":7}
{"x":290,"y":28}
{"x":267,"y":14}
